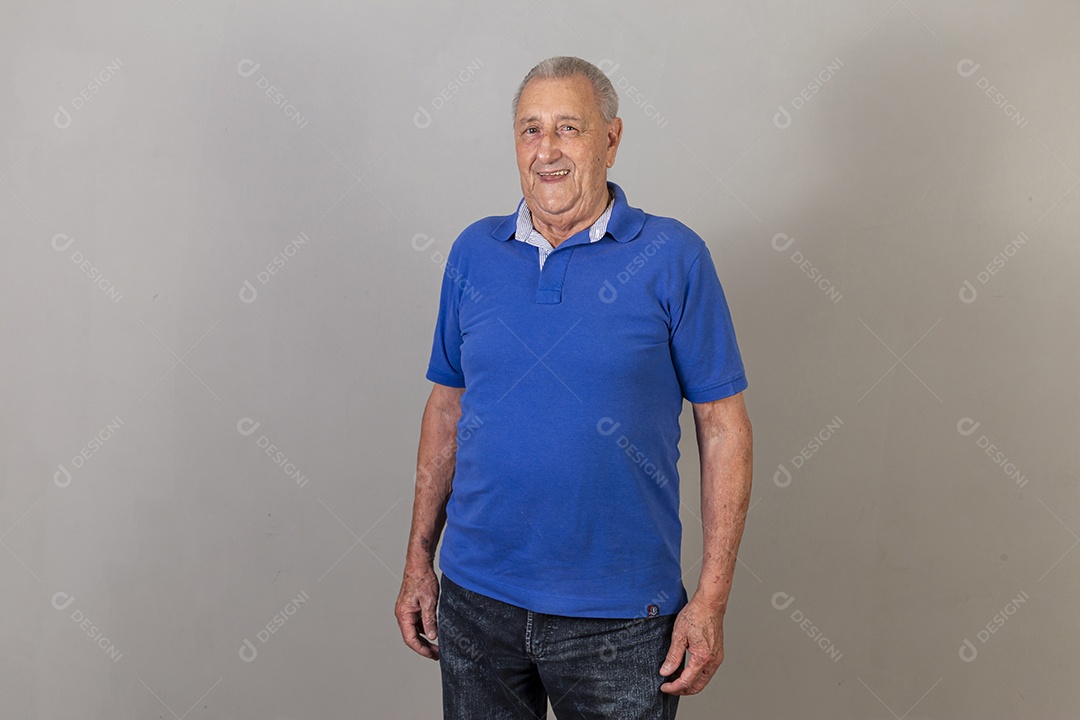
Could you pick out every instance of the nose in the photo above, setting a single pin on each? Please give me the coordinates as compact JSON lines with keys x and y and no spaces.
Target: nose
{"x":547,"y":149}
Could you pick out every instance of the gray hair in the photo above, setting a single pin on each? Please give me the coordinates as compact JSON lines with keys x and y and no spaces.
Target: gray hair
{"x":566,"y":66}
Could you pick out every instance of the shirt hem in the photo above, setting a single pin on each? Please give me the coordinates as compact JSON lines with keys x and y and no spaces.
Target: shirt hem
{"x":569,"y":607}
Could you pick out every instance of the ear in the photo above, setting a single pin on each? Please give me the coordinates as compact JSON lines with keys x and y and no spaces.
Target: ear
{"x":614,"y":136}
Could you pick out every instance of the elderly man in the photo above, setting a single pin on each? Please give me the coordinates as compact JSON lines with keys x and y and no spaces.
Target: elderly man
{"x":548,"y":446}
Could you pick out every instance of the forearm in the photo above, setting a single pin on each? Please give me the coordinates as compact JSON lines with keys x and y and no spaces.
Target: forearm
{"x":434,"y":480}
{"x":726,"y":469}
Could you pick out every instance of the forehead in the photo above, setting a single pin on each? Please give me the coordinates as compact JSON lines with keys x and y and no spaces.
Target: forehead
{"x":563,"y":96}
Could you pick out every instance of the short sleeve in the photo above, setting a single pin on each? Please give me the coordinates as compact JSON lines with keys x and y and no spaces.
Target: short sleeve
{"x":703,"y":345}
{"x":444,"y":367}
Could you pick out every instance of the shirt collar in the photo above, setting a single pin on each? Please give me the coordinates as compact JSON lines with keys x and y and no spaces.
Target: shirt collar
{"x":525,"y":229}
{"x":624,"y":222}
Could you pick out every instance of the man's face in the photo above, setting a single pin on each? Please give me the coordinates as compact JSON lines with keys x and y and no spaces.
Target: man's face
{"x":559,"y":128}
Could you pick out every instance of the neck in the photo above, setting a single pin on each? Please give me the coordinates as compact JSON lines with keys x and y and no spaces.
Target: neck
{"x":556,"y":234}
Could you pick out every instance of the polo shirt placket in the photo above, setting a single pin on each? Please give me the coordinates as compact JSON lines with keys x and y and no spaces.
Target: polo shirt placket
{"x":554,"y":264}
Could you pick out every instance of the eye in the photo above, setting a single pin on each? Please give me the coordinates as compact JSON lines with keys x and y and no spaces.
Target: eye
{"x":569,"y":127}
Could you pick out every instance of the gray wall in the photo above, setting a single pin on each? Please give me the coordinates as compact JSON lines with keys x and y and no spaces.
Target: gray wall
{"x":195,"y":269}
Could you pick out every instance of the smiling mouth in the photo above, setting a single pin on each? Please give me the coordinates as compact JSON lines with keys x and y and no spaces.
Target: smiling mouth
{"x":554,"y":173}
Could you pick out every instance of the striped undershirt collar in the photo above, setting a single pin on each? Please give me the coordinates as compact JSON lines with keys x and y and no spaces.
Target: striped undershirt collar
{"x":528,"y":234}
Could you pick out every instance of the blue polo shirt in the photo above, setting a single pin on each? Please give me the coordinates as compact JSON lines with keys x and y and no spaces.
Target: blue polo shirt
{"x":565,"y":495}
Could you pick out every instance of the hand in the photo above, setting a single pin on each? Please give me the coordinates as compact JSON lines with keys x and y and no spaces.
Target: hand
{"x":699,"y":627}
{"x":415,"y":610}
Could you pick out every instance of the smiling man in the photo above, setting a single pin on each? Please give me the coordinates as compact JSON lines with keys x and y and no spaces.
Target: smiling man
{"x":569,"y":333}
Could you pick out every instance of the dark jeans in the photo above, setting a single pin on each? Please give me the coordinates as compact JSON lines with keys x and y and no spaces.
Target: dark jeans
{"x":502,"y":662}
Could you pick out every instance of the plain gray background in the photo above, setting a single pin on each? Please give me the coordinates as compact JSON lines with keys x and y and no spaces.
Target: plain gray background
{"x":159,"y":157}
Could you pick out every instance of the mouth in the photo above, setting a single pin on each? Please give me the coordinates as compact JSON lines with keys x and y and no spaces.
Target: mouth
{"x":553,"y":175}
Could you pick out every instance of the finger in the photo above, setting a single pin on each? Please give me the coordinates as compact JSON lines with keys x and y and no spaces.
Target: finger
{"x":675,"y":654}
{"x":427,"y":610}
{"x":409,"y":621}
{"x":691,"y":680}
{"x":679,"y":686}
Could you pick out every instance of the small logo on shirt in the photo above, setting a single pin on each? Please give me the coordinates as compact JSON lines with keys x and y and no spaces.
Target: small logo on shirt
{"x":652,"y":610}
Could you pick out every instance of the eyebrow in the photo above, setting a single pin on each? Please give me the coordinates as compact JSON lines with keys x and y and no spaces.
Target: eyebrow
{"x":534,"y":118}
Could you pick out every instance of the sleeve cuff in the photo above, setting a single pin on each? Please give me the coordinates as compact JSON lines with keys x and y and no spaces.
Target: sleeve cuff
{"x":717,"y":392}
{"x":443,"y":378}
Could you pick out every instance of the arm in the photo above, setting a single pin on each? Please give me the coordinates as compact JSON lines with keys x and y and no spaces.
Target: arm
{"x":416,"y":603}
{"x":725,"y":444}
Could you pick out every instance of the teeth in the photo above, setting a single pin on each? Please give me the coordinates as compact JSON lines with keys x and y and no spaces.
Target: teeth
{"x":558,"y":172}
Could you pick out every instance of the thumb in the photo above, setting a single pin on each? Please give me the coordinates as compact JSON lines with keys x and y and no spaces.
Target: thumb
{"x":675,"y":656}
{"x":427,"y":612}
